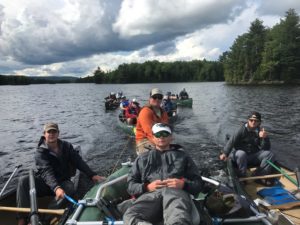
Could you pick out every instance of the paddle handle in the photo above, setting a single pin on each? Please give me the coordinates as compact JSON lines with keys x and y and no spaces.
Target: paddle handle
{"x":265,"y":176}
{"x":27,"y":210}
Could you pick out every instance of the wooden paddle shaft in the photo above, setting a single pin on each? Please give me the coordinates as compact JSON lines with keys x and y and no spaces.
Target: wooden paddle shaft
{"x":265,"y":177}
{"x":27,"y":210}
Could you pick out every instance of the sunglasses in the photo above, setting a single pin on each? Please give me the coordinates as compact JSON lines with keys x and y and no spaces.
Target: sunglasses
{"x":161,"y":134}
{"x":52,"y":131}
{"x":159,"y":97}
{"x":253,"y":120}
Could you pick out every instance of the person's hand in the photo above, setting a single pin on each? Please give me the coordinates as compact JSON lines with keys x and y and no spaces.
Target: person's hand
{"x":175,"y":183}
{"x":223,"y":157}
{"x":59,"y":193}
{"x":157,"y":184}
{"x":98,"y":179}
{"x":263,"y":133}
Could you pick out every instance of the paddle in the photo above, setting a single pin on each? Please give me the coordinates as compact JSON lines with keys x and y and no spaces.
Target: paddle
{"x":9,"y":179}
{"x":28,"y":210}
{"x":283,"y":173}
{"x":264,"y":177}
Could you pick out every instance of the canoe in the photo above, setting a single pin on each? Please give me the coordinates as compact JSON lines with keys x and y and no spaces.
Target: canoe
{"x":111,"y":105}
{"x":277,"y":202}
{"x":105,"y":202}
{"x":184,"y":102}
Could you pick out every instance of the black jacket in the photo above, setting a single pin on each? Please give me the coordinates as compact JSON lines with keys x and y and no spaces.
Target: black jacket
{"x":156,"y":165}
{"x":247,"y":140}
{"x":54,"y":169}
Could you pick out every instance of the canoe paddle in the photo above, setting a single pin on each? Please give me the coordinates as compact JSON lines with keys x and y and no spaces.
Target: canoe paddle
{"x":283,"y":173}
{"x":9,"y":179}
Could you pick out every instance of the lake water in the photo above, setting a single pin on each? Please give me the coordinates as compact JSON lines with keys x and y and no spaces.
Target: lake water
{"x":218,"y":110}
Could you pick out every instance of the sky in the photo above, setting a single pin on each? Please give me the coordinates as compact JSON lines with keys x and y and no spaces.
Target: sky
{"x":74,"y":37}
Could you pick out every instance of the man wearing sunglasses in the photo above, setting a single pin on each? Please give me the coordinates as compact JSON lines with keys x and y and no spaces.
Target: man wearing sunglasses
{"x":149,"y":115}
{"x":251,"y":147}
{"x":56,"y":162}
{"x":162,"y":181}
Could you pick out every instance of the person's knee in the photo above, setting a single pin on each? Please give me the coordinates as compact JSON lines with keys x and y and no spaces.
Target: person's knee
{"x":270,"y":156}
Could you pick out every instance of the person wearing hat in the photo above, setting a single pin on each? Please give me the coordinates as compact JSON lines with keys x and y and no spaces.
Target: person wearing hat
{"x":132,"y":111}
{"x":149,"y":115}
{"x":251,"y":146}
{"x":56,"y":162}
{"x":162,"y":181}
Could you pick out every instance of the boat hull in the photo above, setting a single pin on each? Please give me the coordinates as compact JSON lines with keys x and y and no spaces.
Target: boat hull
{"x":184,"y":102}
{"x":249,"y":188}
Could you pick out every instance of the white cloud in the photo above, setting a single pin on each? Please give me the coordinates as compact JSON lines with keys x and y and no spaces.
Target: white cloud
{"x":74,"y":37}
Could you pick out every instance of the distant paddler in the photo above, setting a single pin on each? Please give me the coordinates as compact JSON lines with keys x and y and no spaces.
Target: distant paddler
{"x":56,"y":162}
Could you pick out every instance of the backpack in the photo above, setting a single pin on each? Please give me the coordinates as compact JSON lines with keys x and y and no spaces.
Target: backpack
{"x":227,"y":205}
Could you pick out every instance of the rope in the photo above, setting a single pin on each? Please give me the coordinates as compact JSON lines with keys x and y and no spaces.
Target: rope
{"x":122,"y":152}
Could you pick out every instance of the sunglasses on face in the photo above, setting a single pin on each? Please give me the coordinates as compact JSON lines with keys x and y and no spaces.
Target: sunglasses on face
{"x":159,"y":97}
{"x":161,"y":134}
{"x":52,"y":131}
{"x":254,"y":121}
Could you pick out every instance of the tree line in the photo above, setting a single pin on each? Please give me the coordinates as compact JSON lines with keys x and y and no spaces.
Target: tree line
{"x":262,"y":55}
{"x":155,"y":71}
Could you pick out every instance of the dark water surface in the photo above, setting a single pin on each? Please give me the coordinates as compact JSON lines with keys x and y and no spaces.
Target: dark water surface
{"x":218,"y":109}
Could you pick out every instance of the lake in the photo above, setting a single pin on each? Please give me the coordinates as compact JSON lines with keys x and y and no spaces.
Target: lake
{"x":218,"y":110}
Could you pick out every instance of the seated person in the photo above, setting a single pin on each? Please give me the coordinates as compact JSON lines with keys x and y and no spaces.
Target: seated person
{"x":162,"y":181}
{"x":168,"y":105}
{"x":123,"y":105}
{"x":251,"y":147}
{"x":149,"y":115}
{"x":132,"y":111}
{"x":54,"y":161}
{"x":183,"y":94}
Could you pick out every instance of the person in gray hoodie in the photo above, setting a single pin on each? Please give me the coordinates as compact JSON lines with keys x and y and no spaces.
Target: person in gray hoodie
{"x":162,"y":181}
{"x":56,"y":162}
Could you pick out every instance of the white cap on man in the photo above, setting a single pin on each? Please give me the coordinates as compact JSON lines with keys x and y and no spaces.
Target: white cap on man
{"x":158,"y":127}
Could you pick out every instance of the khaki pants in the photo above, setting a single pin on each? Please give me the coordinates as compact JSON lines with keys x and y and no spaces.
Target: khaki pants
{"x":144,"y":146}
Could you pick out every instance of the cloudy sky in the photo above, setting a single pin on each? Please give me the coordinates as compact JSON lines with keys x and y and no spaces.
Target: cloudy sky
{"x":74,"y":37}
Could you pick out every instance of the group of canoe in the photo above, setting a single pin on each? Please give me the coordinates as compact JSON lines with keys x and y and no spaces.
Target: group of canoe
{"x":119,"y":101}
{"x":240,"y":201}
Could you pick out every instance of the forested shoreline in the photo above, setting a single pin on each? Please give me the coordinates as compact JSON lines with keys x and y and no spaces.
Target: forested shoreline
{"x":260,"y":56}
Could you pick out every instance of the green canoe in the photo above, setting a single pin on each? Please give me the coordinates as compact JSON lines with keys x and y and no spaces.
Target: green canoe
{"x":184,"y":102}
